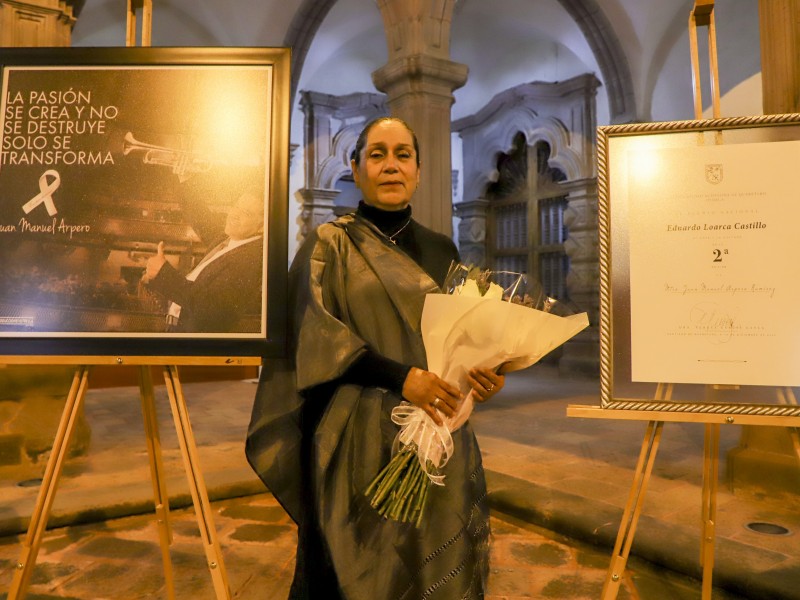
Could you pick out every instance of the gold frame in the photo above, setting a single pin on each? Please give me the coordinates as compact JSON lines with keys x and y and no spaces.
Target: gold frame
{"x":617,"y":391}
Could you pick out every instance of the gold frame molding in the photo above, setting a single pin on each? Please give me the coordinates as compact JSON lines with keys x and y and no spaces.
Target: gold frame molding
{"x":616,"y":391}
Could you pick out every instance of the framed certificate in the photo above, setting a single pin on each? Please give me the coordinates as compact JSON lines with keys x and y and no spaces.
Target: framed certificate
{"x":698,"y":252}
{"x":143,"y":201}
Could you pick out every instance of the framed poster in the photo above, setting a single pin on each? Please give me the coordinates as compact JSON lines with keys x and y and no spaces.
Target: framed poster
{"x":143,"y":201}
{"x":697,"y":223}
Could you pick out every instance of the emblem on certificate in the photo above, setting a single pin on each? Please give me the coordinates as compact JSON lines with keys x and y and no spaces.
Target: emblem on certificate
{"x":714,"y":173}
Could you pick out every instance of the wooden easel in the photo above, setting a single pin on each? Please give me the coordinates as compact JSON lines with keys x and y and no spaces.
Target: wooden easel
{"x":701,"y":15}
{"x":644,"y":467}
{"x":147,"y":22}
{"x":180,"y":415}
{"x":186,"y":441}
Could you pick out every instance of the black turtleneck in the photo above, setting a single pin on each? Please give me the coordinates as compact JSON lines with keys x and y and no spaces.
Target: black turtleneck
{"x":388,"y":221}
{"x":433,"y":252}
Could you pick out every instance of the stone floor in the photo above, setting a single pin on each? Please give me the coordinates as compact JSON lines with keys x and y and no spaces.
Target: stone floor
{"x":557,"y":488}
{"x":120,"y":559}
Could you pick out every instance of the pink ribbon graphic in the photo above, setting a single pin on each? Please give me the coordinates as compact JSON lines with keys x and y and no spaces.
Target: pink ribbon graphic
{"x":45,"y":193}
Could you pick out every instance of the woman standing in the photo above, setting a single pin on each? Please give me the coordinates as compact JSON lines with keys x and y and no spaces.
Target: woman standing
{"x":321,"y":427}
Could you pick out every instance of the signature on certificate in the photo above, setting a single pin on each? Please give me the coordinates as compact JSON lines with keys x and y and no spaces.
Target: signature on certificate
{"x":713,"y":320}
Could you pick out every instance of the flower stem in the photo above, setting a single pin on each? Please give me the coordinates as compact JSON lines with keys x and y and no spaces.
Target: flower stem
{"x":399,"y":491}
{"x":391,"y":476}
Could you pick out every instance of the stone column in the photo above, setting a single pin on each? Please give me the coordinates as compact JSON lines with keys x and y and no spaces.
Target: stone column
{"x":766,"y":456}
{"x":472,"y":231}
{"x":318,"y":208}
{"x":419,"y":79}
{"x":581,"y":354}
{"x":317,"y":131}
{"x":318,"y":203}
{"x":26,"y":23}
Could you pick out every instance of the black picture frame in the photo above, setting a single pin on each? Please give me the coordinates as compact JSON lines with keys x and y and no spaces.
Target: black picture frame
{"x":108,"y":151}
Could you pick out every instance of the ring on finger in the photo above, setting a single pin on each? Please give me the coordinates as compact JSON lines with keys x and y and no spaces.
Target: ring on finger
{"x":490,"y":388}
{"x":437,"y":402}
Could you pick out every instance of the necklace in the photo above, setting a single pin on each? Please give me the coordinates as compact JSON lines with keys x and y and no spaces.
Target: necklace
{"x":392,"y":237}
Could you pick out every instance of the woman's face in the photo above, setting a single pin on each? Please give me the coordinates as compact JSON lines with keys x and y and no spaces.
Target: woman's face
{"x":387,"y":174}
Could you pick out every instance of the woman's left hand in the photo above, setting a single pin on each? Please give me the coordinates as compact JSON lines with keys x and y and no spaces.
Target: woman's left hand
{"x":485,"y":383}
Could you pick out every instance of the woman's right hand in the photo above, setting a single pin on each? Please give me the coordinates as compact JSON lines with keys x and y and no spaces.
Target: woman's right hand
{"x":431,"y":393}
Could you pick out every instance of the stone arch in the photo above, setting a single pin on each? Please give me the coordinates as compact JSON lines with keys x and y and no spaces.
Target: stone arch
{"x":331,"y":125}
{"x":587,"y":14}
{"x":337,"y":165}
{"x":541,"y":111}
{"x":535,"y":128}
{"x":302,"y":30}
{"x":546,"y":129}
{"x":610,"y":57}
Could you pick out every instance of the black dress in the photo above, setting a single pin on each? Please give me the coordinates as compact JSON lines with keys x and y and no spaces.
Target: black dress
{"x":321,"y":428}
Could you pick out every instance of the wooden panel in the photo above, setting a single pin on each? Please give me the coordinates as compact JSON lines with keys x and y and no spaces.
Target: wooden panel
{"x":103,"y":376}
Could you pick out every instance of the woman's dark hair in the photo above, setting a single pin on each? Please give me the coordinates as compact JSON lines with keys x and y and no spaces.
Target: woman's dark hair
{"x":362,"y":137}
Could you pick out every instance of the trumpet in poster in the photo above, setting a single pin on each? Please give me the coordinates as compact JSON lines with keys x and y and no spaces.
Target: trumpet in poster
{"x":182,"y":162}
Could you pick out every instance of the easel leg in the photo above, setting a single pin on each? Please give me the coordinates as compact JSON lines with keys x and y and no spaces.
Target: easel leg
{"x":202,"y":506}
{"x":786,"y":396}
{"x":710,"y":484}
{"x":47,"y":492}
{"x":633,"y":509}
{"x":157,"y":475}
{"x":147,"y":21}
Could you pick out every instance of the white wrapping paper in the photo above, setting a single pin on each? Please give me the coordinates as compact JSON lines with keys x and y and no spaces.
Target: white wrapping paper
{"x":468,"y":330}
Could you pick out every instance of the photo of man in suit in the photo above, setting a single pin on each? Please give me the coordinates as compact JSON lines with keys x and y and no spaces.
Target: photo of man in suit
{"x":225,"y":286}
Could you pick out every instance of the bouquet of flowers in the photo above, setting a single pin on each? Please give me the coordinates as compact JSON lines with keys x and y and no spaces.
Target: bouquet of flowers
{"x":477,"y":322}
